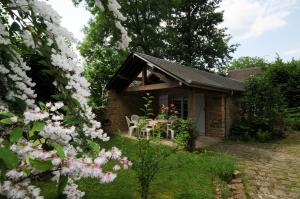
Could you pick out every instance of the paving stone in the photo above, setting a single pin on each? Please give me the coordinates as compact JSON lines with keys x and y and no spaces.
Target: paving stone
{"x":273,"y":170}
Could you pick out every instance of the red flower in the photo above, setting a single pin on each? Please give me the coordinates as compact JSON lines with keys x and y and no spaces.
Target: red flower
{"x":172,"y":105}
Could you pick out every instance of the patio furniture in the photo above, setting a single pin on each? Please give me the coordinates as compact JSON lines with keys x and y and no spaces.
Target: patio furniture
{"x":146,"y":131}
{"x":135,"y":118}
{"x":131,"y":125}
{"x":169,"y":126}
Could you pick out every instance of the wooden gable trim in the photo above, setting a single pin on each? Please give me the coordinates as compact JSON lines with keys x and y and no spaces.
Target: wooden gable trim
{"x":161,"y":76}
{"x":149,"y":63}
{"x":152,"y":87}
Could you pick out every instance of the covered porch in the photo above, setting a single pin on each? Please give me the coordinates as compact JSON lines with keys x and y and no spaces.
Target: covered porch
{"x":205,"y":108}
{"x":205,"y":98}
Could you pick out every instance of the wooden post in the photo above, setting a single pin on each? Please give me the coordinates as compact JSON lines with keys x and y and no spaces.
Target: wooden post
{"x":144,"y":76}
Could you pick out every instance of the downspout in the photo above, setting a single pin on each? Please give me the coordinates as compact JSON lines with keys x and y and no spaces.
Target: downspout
{"x":225,"y":107}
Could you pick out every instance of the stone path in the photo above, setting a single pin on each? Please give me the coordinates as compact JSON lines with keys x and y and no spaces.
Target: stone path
{"x":272,"y":170}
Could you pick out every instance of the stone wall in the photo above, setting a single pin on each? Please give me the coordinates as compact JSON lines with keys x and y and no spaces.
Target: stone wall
{"x":215,"y":115}
{"x":119,"y":106}
{"x":220,"y":113}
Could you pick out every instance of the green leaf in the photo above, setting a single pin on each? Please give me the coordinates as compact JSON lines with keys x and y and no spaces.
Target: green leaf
{"x":42,"y":105}
{"x":15,"y":135}
{"x":7,"y":114}
{"x":26,"y":170}
{"x":94,"y":146}
{"x":41,"y":164}
{"x":9,"y":157}
{"x":21,"y":104}
{"x":14,"y":27}
{"x":6,"y":121}
{"x":63,"y":180}
{"x":38,"y":126}
{"x":3,"y":170}
{"x":59,"y":150}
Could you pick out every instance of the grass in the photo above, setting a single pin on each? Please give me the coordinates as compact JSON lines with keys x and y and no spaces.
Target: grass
{"x":183,"y":175}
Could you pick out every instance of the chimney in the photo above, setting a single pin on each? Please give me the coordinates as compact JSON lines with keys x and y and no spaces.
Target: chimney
{"x":244,"y":73}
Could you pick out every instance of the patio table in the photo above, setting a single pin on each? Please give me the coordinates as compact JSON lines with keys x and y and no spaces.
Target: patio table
{"x":154,"y":123}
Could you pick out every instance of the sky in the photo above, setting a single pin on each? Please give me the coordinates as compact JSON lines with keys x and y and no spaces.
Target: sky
{"x":261,"y":27}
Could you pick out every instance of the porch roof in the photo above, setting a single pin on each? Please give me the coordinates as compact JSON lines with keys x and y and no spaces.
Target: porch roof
{"x":187,"y":75}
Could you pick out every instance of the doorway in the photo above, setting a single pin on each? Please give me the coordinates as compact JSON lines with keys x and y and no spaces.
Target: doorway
{"x":200,"y":107}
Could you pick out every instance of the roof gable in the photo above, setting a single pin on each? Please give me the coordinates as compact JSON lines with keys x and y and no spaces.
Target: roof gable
{"x":187,"y":75}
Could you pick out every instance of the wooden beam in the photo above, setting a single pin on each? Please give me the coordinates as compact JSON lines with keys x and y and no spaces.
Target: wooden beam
{"x":152,"y":87}
{"x":161,"y":76}
{"x":123,"y":77}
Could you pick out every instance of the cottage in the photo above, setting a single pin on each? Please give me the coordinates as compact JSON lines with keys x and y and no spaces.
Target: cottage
{"x":206,"y":98}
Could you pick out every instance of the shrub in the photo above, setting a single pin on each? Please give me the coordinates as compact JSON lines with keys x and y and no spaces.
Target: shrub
{"x":263,"y":136}
{"x":292,"y":118}
{"x":220,"y":165}
{"x":261,"y":110}
{"x":148,"y":163}
{"x":185,"y":133}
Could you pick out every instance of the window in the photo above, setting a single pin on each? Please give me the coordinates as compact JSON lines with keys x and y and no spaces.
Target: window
{"x":163,"y":99}
{"x":181,"y":104}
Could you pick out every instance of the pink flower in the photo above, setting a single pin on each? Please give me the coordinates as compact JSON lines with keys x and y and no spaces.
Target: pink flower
{"x":108,"y":177}
{"x":172,"y":105}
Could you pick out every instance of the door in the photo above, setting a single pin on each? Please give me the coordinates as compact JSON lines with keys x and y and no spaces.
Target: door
{"x":200,"y":107}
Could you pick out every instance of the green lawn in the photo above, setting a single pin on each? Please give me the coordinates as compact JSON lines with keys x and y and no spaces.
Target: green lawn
{"x":183,"y":175}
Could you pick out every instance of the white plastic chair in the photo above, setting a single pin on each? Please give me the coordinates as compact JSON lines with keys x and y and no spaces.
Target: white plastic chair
{"x":146,"y":131}
{"x":169,"y":127}
{"x":131,"y":126}
{"x":135,"y":118}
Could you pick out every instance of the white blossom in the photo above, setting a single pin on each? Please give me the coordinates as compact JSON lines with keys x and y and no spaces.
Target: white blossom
{"x":3,"y":69}
{"x":72,"y":191}
{"x":34,"y":115}
{"x":3,"y":35}
{"x":114,"y":7}
{"x":27,"y":38}
{"x":45,"y":10}
{"x":14,"y":119}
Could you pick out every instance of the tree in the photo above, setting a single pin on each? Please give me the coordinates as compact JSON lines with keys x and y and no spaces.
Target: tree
{"x":155,"y":28}
{"x":246,"y":62}
{"x":101,"y":65}
{"x":143,"y":22}
{"x":194,"y":37}
{"x":38,"y":138}
{"x":185,"y":31}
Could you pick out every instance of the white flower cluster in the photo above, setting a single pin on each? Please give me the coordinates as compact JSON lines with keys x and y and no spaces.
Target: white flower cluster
{"x":71,"y":190}
{"x":44,"y":10}
{"x":87,"y":167}
{"x":57,"y":132}
{"x":54,"y":107}
{"x":35,"y":115}
{"x":3,"y":35}
{"x":24,"y":148}
{"x":15,"y":175}
{"x":22,"y":190}
{"x":27,"y":38}
{"x":114,"y":7}
{"x":22,"y":83}
{"x":23,"y":4}
{"x":99,"y":4}
{"x":3,"y":108}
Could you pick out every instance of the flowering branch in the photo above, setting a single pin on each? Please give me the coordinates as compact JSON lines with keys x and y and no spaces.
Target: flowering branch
{"x":41,"y":138}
